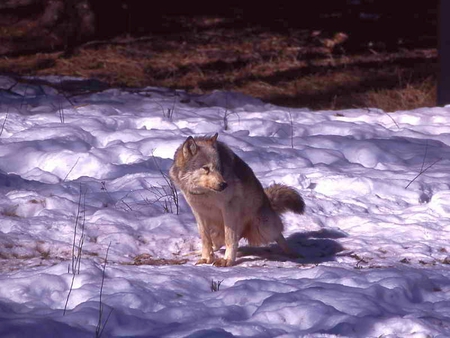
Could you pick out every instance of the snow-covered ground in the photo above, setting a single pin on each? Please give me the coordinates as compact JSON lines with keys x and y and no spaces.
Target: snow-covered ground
{"x":79,"y":177}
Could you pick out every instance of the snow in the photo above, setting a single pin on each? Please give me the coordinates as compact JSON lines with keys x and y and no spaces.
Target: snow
{"x":83,"y":174}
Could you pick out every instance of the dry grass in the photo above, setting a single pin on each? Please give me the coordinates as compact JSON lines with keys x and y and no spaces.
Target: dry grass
{"x":409,"y":97}
{"x":146,"y":259}
{"x":296,"y":69}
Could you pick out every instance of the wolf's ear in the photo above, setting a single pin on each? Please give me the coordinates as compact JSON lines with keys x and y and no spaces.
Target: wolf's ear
{"x":214,"y":138}
{"x":189,"y":147}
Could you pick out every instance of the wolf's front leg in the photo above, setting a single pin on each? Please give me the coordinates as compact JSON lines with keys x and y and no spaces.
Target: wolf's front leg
{"x":232,"y":236}
{"x":207,"y":247}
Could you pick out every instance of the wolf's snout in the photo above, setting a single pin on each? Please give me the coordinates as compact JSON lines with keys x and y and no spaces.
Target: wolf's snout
{"x":222,"y":186}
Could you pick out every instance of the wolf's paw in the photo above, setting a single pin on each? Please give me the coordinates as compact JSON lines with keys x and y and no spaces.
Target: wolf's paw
{"x":222,"y":262}
{"x":205,"y":261}
{"x":202,"y":261}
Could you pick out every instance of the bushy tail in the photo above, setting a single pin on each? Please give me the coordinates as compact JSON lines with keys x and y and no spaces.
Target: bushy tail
{"x":284,"y":198}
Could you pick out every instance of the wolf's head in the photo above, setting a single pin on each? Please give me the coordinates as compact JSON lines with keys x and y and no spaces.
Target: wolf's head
{"x":197,"y":166}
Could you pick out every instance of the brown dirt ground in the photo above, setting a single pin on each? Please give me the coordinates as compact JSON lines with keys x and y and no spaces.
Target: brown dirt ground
{"x":300,"y":68}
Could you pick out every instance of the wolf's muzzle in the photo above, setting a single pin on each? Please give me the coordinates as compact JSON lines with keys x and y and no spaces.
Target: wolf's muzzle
{"x":223,"y":186}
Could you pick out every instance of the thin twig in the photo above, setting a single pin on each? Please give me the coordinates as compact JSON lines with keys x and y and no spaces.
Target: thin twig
{"x":61,"y":112}
{"x":398,"y":127}
{"x":68,"y":295}
{"x":3,"y":124}
{"x":170,"y":112}
{"x":74,"y":241}
{"x":424,"y":156}
{"x":77,"y":249}
{"x":422,"y":171}
{"x":292,"y":129}
{"x":24,"y":97}
{"x":99,"y":329}
{"x":215,"y":286}
{"x":76,"y":254}
{"x":170,"y":196}
{"x":71,"y":169}
{"x":82,"y":235}
{"x":225,"y":120}
{"x":103,"y":188}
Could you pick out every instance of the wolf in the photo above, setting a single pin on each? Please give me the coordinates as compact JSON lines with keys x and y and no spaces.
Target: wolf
{"x":228,"y":201}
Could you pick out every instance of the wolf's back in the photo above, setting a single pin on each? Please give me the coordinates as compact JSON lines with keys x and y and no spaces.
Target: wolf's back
{"x":283,"y":198}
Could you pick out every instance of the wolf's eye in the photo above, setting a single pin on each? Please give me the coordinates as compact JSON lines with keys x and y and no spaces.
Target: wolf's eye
{"x":206,"y":169}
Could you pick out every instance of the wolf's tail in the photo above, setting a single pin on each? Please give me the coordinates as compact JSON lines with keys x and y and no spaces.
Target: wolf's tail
{"x":283,"y":198}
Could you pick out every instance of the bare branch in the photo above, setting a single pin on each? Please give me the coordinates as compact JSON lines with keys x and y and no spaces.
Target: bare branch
{"x":422,"y":171}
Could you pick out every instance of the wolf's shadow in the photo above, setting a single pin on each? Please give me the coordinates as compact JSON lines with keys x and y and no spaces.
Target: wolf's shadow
{"x":311,"y":247}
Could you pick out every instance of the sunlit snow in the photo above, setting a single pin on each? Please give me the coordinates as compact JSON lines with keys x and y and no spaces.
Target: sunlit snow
{"x":81,"y":174}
